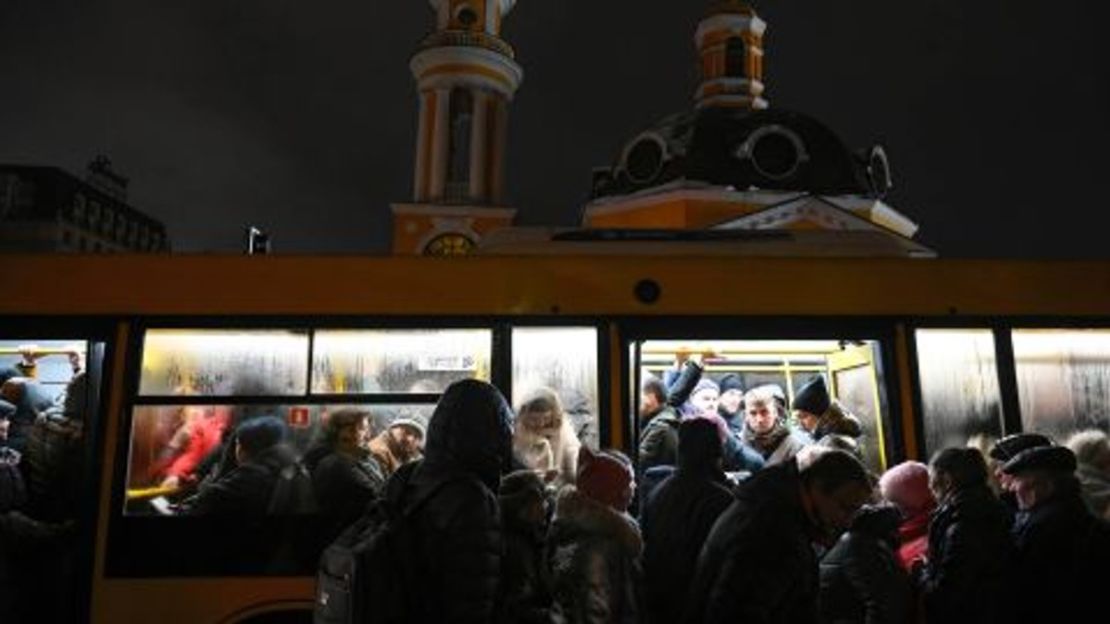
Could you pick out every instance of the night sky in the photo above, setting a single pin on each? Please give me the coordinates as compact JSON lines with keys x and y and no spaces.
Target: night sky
{"x":300,"y":117}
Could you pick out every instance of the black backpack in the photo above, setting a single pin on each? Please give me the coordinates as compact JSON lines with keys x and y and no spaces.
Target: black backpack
{"x":293,"y":493}
{"x":362,"y":576}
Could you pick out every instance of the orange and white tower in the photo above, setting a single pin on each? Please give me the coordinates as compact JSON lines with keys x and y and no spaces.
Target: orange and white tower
{"x":466,"y":76}
{"x":730,"y":46}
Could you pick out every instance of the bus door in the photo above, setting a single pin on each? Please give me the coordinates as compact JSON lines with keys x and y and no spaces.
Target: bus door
{"x":855,"y":384}
{"x":50,"y":419}
{"x":852,"y":369}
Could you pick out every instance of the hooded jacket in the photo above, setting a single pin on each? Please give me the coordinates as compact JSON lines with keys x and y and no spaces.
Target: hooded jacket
{"x":861,"y":580}
{"x":469,"y":446}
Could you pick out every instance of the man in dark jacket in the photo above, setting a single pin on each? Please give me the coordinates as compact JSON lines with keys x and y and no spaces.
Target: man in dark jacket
{"x":1061,"y":553}
{"x":758,"y":565}
{"x":963,"y":577}
{"x":678,"y":517}
{"x":861,"y":580}
{"x":458,"y":561}
{"x":246,"y":489}
{"x":659,"y":437}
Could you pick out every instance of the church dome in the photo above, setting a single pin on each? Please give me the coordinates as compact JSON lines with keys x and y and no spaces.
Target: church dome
{"x":771,"y":149}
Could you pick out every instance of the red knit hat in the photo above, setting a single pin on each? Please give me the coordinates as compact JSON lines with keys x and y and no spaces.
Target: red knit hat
{"x":907,"y":485}
{"x":603,"y":477}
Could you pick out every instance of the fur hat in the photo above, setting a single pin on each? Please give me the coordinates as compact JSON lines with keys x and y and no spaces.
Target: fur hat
{"x":731,"y":381}
{"x":1050,"y":458}
{"x":812,"y":397}
{"x":1007,"y":448}
{"x":602,"y":477}
{"x":907,"y":485}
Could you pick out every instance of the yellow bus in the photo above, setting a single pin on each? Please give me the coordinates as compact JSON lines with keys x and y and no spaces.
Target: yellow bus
{"x":927,"y":353}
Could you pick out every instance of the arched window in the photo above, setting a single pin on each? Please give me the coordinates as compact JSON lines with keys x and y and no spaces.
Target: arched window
{"x":461,"y":114}
{"x":734,"y":57}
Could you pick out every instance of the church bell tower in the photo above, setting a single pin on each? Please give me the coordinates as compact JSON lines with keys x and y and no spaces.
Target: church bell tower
{"x":466,"y":76}
{"x":730,"y":47}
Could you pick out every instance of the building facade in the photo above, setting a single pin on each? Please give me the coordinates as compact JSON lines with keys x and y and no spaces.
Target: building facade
{"x":46,"y":209}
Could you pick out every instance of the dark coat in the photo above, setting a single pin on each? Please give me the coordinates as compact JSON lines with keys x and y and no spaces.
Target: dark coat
{"x":345,"y":485}
{"x":675,"y":523}
{"x":968,"y":550}
{"x":861,"y":580}
{"x":659,"y":439}
{"x":1057,"y":561}
{"x":526,"y":593}
{"x":245,"y":490}
{"x":458,"y":561}
{"x":758,"y":565}
{"x":594,"y":553}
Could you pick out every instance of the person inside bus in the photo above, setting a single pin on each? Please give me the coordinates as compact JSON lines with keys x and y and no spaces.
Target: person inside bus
{"x":246,"y":490}
{"x":653,"y":398}
{"x":1061,"y":550}
{"x":766,"y":430}
{"x":730,"y":404}
{"x":758,"y":564}
{"x":659,"y":438}
{"x":820,"y":415}
{"x":677,"y":517}
{"x":1092,"y":452}
{"x":544,"y":437}
{"x":594,"y":545}
{"x":347,"y":478}
{"x":963,"y":578}
{"x":200,"y":431}
{"x":402,"y":442}
{"x":29,"y":398}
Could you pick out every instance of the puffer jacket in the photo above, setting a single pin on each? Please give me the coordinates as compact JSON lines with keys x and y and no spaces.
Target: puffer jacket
{"x":861,"y":581}
{"x":458,"y":561}
{"x":594,"y":553}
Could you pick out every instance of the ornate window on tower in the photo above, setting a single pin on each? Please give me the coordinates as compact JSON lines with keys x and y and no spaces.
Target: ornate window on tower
{"x":461,"y":114}
{"x":449,"y":244}
{"x":734,"y":57}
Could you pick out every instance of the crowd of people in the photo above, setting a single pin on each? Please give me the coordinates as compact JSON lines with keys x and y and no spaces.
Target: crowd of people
{"x":743,"y":508}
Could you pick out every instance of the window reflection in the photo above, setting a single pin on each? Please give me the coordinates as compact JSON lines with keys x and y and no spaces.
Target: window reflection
{"x":1063,"y":380}
{"x":398,"y":361}
{"x":960,"y":396}
{"x":223,"y":363}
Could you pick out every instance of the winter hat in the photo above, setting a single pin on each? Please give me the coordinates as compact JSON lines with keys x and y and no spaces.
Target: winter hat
{"x":258,"y":434}
{"x":731,"y":381}
{"x":813,"y":397}
{"x":907,"y":485}
{"x":602,"y":477}
{"x":1050,"y":458}
{"x":706,"y":383}
{"x":1007,"y":448}
{"x":412,"y":424}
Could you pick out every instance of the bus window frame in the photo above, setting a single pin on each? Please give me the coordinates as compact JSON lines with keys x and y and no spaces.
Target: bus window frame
{"x":123,"y":547}
{"x":90,"y":329}
{"x":883,"y":329}
{"x":1002,"y":328}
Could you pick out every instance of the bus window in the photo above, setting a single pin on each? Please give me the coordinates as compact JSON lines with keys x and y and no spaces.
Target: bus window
{"x":554,"y":368}
{"x":398,"y":361}
{"x":174,"y":447}
{"x":1063,"y":380}
{"x":781,"y":368}
{"x":958,"y":376}
{"x":223,"y":362}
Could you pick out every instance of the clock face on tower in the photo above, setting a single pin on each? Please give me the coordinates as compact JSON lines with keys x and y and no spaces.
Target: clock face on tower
{"x":450,"y":244}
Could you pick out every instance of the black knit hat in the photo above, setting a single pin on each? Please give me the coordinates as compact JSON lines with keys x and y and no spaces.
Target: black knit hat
{"x":1007,"y":448}
{"x":1050,"y":458}
{"x":731,"y":381}
{"x":812,"y":397}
